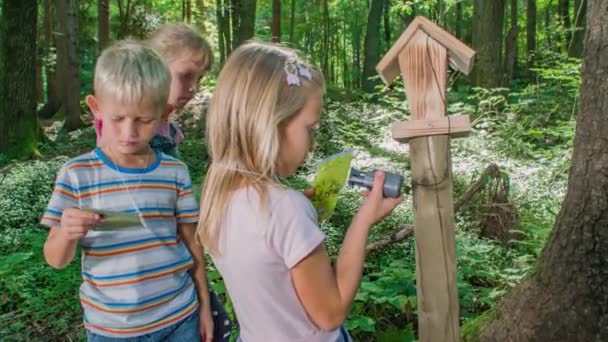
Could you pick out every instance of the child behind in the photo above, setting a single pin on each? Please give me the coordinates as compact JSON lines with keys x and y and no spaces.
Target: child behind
{"x":264,"y":237}
{"x":189,"y":57}
{"x":136,"y":280}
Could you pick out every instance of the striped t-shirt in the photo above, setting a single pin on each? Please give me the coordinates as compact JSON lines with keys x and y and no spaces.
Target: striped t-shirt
{"x":135,"y":280}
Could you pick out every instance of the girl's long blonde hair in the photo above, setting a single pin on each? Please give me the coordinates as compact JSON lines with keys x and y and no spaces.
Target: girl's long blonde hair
{"x":252,"y":101}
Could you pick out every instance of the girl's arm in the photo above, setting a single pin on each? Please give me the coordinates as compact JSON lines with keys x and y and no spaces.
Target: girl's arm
{"x":325,"y":293}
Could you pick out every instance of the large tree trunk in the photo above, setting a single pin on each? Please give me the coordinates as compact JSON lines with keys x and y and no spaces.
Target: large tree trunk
{"x":372,"y":44}
{"x":566,"y":299}
{"x":488,"y":19}
{"x":530,"y":30}
{"x":18,"y":124}
{"x":69,"y":58}
{"x":103,"y":23}
{"x":575,"y":49}
{"x":276,"y":21}
{"x":511,"y":45}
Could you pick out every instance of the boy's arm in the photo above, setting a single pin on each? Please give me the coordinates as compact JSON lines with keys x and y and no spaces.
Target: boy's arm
{"x":59,"y":252}
{"x":60,"y":245}
{"x":187,"y":233}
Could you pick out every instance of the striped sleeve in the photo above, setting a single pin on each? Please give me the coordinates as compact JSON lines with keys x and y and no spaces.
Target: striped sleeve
{"x":65,"y":195}
{"x":186,"y":210}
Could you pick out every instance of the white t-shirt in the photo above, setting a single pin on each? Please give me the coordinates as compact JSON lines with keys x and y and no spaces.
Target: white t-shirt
{"x":257,"y":250}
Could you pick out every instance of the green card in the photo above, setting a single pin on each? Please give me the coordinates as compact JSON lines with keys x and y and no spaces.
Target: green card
{"x":115,"y":220}
{"x":329,"y":181}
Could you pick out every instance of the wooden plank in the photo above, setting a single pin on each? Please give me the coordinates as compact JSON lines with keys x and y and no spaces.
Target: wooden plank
{"x":460,"y":55}
{"x":456,"y":126}
{"x":388,"y":67}
{"x":424,"y":67}
{"x":436,"y":286}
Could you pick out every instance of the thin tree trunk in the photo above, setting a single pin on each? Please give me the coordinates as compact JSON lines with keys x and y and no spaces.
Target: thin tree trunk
{"x":530,"y":30}
{"x":243,"y":18}
{"x":371,"y":45}
{"x":18,"y":124}
{"x":387,"y":25}
{"x":276,"y":21}
{"x":487,"y":41}
{"x":565,"y":298}
{"x":53,"y":101}
{"x":511,"y":45}
{"x":292,"y":23}
{"x":564,"y":14}
{"x":103,"y":23}
{"x":219,"y":13}
{"x":459,"y":20}
{"x":325,"y":49}
{"x":68,"y":54}
{"x":575,"y":49}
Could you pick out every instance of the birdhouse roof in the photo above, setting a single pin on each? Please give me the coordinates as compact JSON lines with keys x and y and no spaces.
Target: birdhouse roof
{"x":460,"y":55}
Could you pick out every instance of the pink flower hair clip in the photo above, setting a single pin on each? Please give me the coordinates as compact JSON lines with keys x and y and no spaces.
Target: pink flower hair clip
{"x":294,"y":70}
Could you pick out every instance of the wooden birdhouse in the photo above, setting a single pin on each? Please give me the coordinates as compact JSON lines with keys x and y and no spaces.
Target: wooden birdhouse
{"x":422,"y":55}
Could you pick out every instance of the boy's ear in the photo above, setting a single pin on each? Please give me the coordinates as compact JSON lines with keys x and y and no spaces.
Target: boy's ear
{"x":167,"y":112}
{"x":91,"y":101}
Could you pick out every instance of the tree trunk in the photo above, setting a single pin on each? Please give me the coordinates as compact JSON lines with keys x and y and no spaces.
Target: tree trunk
{"x":124,"y":14}
{"x":18,"y":124}
{"x":276,"y":21}
{"x":487,"y":41}
{"x":103,"y":24}
{"x":219,"y":14}
{"x":459,"y":20}
{"x":325,"y":49}
{"x":575,"y":49}
{"x":511,"y":45}
{"x":69,"y":58}
{"x":530,"y":30}
{"x":371,"y":44}
{"x":564,"y":14}
{"x":292,"y":23}
{"x":189,"y":11}
{"x":53,"y":102}
{"x":243,"y":21}
{"x":39,"y":70}
{"x":356,"y":68}
{"x":566,"y":298}
{"x":387,"y":25}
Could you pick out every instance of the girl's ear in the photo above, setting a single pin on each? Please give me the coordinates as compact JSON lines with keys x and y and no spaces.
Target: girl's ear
{"x":91,"y":101}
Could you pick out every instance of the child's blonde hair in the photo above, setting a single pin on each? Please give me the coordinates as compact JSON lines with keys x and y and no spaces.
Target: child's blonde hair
{"x":130,"y":72}
{"x":172,"y":40}
{"x":252,"y":102}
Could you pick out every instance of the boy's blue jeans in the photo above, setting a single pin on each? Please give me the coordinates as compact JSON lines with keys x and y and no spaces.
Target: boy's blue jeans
{"x":186,"y":330}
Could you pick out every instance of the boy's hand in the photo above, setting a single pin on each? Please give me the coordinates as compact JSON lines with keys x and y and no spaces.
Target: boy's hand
{"x":206,"y":324}
{"x":376,"y":207}
{"x":76,"y":223}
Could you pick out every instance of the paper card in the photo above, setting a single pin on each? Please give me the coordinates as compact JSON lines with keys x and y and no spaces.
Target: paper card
{"x":115,"y":220}
{"x":329,"y":181}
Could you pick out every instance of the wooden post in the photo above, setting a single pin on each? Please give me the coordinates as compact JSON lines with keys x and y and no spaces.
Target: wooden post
{"x":422,"y":55}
